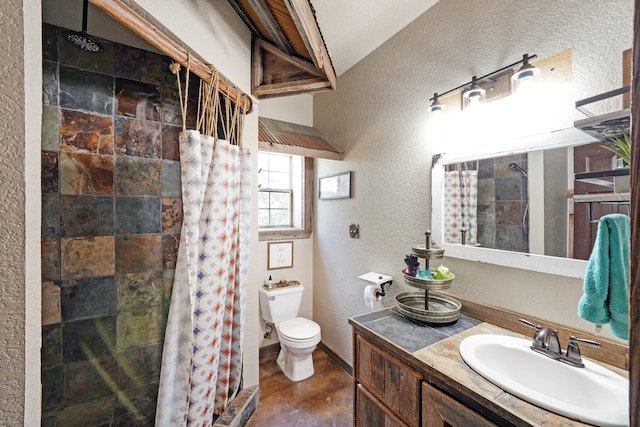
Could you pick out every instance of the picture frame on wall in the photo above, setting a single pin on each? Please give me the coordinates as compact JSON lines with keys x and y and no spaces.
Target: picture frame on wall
{"x":336,"y":186}
{"x":279,"y":255}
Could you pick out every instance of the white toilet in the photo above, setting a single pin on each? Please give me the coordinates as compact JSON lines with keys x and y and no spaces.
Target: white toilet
{"x":298,"y":336}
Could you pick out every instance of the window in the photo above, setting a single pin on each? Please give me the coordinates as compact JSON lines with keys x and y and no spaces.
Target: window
{"x":284,"y":195}
{"x":275,"y":189}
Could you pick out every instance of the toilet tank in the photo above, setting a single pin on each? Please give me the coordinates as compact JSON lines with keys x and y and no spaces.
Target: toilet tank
{"x":280,"y":304}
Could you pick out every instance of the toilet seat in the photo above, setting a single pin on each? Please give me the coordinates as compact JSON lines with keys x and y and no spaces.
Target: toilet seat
{"x":299,"y":329}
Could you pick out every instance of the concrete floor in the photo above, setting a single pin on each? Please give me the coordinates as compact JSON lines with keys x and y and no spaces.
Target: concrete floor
{"x":324,"y":399}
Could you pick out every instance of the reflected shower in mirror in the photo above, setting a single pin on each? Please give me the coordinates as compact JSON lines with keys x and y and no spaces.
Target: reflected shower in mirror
{"x":488,"y":199}
{"x":531,"y":202}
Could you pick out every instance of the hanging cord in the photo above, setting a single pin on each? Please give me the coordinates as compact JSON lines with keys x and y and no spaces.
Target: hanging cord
{"x":237,"y":123}
{"x":175,"y":69}
{"x":183,"y":102}
{"x":214,"y":104}
{"x":212,"y":117}
{"x":232,"y":137}
{"x":199,"y":115}
{"x":204,"y":106}
{"x":240,"y":123}
{"x":225,"y":118}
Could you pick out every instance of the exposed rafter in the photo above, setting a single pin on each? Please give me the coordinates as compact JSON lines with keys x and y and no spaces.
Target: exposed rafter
{"x":289,"y":53}
{"x":269,"y":22}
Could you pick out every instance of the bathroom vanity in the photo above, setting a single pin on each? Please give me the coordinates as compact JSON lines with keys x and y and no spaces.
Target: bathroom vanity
{"x":409,"y":374}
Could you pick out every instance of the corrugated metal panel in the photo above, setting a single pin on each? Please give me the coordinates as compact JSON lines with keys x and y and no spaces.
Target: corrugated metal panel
{"x":294,"y":135}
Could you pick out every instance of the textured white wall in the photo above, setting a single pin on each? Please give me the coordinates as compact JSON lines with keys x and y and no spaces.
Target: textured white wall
{"x":302,"y":271}
{"x":213,"y":30}
{"x":379,"y":116}
{"x":21,"y":109}
{"x":293,"y":109}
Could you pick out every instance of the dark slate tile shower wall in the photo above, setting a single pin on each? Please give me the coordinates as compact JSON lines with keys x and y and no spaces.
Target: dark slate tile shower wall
{"x":502,"y":204}
{"x":111,"y":218}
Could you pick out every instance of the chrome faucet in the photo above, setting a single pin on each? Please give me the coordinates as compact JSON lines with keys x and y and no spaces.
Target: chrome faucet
{"x":545,"y":341}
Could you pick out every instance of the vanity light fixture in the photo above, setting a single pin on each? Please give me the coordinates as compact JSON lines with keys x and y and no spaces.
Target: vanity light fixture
{"x":436,"y":105}
{"x":527,"y":71}
{"x":476,"y":92}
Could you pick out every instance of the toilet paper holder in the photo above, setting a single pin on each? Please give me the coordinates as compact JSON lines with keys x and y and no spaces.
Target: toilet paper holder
{"x":378,"y":280}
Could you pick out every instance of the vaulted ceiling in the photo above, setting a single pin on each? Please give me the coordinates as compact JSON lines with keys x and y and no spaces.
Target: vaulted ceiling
{"x":289,"y":53}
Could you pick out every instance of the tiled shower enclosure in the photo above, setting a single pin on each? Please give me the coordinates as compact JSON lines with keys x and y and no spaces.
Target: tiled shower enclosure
{"x":111,"y":221}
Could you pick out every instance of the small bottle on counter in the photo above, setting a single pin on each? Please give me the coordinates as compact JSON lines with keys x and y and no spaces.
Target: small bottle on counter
{"x":270,"y":283}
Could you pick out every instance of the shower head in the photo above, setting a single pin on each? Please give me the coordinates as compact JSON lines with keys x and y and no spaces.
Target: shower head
{"x":81,"y":39}
{"x":517,"y":167}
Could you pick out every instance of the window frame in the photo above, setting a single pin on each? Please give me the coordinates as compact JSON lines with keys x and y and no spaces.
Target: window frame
{"x":279,"y":233}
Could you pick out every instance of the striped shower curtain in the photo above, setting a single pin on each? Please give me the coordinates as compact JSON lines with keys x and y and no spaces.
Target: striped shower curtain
{"x":461,"y":206}
{"x":202,"y":356}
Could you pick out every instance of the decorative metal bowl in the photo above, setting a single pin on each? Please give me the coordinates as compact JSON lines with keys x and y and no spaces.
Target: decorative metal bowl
{"x":442,"y":308}
{"x":421,"y":251}
{"x":428,"y":284}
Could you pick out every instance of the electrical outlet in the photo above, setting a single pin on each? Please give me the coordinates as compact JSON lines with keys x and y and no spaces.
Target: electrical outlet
{"x":354,"y":231}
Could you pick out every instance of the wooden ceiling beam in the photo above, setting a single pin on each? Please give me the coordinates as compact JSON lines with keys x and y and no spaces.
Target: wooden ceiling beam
{"x":245,"y":18}
{"x":288,"y":54}
{"x":310,"y":79}
{"x":291,"y":88}
{"x":299,"y":151}
{"x":299,"y":63}
{"x":262,"y":11}
{"x":307,"y":25}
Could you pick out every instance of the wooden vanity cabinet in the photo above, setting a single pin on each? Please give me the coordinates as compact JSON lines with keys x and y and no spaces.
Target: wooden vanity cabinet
{"x":373,"y":413}
{"x":390,"y":393}
{"x":440,"y":410}
{"x":409,"y":377}
{"x":385,"y":385}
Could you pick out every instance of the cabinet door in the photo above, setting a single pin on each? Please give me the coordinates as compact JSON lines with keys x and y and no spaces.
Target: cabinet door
{"x":440,"y":410}
{"x":395,"y":384}
{"x":372,"y":413}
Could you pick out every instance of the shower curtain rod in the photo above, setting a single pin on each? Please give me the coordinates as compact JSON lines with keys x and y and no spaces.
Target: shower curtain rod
{"x":128,"y":17}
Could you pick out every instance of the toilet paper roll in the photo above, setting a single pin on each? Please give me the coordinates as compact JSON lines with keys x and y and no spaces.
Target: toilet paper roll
{"x":371,"y":296}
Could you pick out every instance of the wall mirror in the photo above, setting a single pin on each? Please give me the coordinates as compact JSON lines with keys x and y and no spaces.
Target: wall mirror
{"x":523,"y":217}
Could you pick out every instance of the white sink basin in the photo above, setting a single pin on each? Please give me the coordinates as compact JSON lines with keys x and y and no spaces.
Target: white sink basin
{"x":592,"y":394}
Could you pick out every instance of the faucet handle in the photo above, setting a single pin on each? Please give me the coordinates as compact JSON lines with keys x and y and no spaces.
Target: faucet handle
{"x":538,"y":342}
{"x":573,"y":356}
{"x":530,"y":324}
{"x":585,"y":341}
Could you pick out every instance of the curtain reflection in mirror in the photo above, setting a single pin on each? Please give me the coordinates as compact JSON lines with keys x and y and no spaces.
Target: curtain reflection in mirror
{"x":489,"y":198}
{"x":461,"y":205}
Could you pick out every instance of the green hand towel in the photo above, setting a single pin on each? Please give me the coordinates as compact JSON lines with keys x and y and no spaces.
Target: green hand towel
{"x":606,"y":283}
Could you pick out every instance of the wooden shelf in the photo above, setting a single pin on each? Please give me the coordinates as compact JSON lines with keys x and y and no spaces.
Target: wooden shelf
{"x":604,"y":127}
{"x":602,"y":198}
{"x":599,"y":177}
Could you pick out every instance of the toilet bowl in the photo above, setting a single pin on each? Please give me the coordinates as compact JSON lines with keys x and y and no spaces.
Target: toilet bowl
{"x":298,"y":339}
{"x":298,"y":336}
